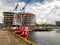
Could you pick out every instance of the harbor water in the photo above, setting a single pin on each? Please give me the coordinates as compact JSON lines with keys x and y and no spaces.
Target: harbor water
{"x":45,"y":38}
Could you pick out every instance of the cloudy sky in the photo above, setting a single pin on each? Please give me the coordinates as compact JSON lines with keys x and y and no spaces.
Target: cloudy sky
{"x":46,"y":11}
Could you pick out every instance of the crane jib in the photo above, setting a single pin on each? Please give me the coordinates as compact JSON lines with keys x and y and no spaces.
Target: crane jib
{"x":26,"y":5}
{"x":23,"y":7}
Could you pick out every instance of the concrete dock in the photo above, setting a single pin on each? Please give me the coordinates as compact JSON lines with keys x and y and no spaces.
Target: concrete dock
{"x":7,"y":38}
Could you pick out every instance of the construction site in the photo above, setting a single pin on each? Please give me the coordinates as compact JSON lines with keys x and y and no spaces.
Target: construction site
{"x":16,"y":26}
{"x":23,"y":27}
{"x":21,"y":18}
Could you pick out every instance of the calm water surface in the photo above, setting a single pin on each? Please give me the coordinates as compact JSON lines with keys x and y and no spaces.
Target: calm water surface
{"x":45,"y":38}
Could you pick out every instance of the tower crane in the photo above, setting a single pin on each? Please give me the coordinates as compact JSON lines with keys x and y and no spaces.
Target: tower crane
{"x":46,"y":17}
{"x":55,"y":7}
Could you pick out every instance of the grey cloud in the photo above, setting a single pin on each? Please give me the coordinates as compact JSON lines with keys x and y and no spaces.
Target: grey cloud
{"x":9,"y":2}
{"x":49,"y":0}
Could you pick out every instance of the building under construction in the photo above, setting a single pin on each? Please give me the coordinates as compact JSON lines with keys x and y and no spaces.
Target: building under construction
{"x":26,"y":19}
{"x":8,"y":19}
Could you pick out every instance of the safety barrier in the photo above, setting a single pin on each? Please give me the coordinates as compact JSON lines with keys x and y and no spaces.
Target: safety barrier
{"x":28,"y":41}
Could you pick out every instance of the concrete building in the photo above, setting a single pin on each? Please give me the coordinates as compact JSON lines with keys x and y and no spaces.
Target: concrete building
{"x":8,"y":19}
{"x":27,"y":19}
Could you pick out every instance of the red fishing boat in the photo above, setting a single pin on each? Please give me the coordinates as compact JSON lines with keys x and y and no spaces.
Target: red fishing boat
{"x":22,"y":31}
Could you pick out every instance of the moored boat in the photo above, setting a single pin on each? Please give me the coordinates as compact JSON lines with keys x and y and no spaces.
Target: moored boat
{"x":22,"y":31}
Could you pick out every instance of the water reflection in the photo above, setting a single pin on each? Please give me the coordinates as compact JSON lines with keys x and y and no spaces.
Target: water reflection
{"x":45,"y":38}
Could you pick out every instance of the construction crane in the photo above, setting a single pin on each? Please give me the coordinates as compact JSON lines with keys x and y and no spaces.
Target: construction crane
{"x":46,"y":17}
{"x":16,"y":21}
{"x":55,"y":7}
{"x":15,"y":9}
{"x":23,"y":8}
